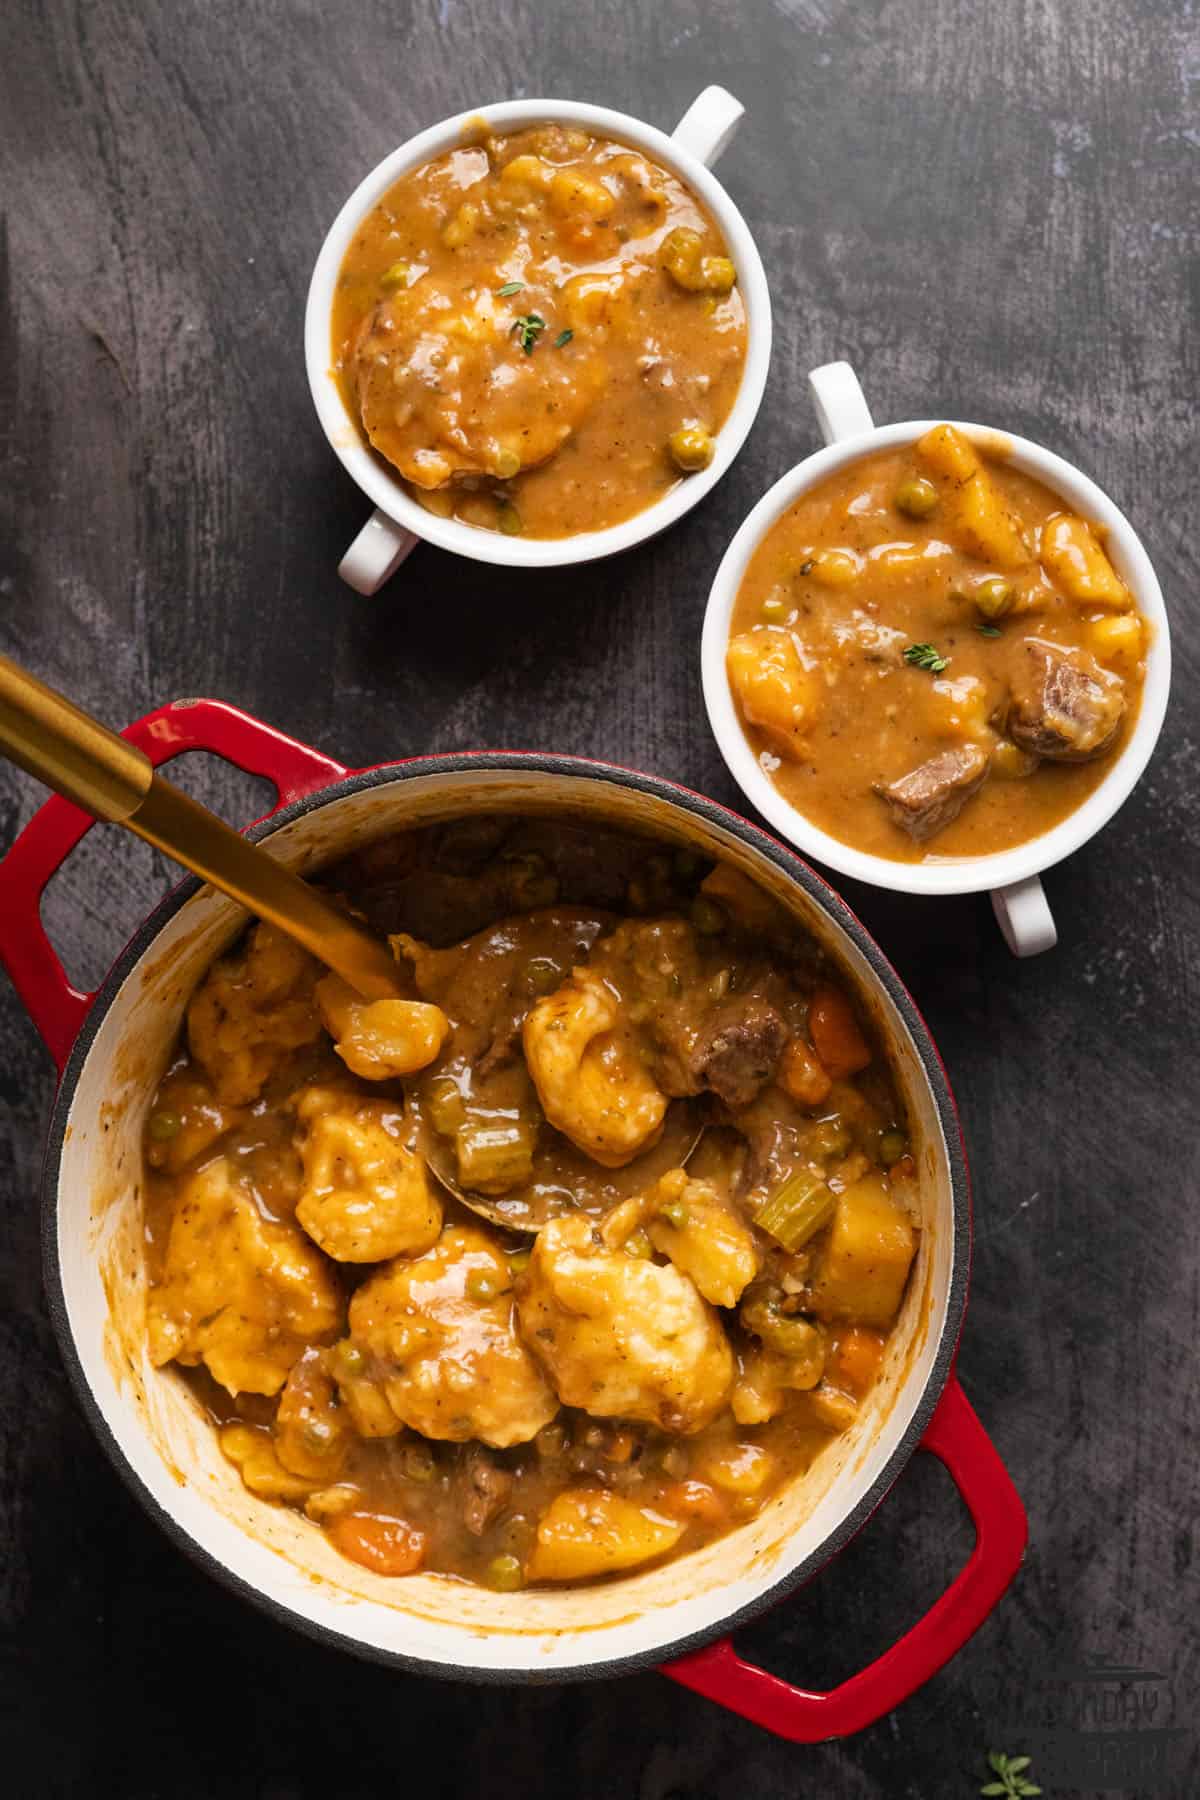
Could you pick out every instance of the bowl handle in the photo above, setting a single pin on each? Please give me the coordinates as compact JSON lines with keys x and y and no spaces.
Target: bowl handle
{"x":708,"y":126}
{"x":956,"y":1437}
{"x":839,"y":402}
{"x":376,"y":553}
{"x":56,"y":1007}
{"x":1023,"y":915}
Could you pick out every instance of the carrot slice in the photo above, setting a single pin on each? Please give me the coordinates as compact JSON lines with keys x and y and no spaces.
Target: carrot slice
{"x":802,"y":1075}
{"x":388,"y":1546}
{"x":854,"y":1360}
{"x":694,"y":1500}
{"x":836,"y":1037}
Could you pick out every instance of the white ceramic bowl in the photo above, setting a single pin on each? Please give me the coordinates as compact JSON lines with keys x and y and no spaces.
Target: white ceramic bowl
{"x":1010,"y":875}
{"x":400,"y":522}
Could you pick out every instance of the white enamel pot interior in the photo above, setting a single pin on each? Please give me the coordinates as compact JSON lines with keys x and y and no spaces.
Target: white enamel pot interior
{"x":161,"y":1444}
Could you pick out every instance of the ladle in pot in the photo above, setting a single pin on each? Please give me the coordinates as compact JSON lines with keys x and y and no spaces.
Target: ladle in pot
{"x":111,"y":779}
{"x":52,"y":739}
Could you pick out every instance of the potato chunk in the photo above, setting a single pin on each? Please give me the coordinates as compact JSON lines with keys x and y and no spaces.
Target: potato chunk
{"x":250,"y":1011}
{"x":366,"y":1197}
{"x":946,"y":452}
{"x":1072,"y":556}
{"x":589,"y":1073}
{"x":622,"y":1337}
{"x":978,"y":516}
{"x":772,"y":687}
{"x":864,"y":1263}
{"x":1118,"y":639}
{"x":984,"y":525}
{"x":380,"y":1039}
{"x":241,"y":1293}
{"x":588,"y":1531}
{"x":440,"y":1345}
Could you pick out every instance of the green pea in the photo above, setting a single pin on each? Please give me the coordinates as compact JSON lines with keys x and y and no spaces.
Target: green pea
{"x":541,"y":975}
{"x":892,"y":1146}
{"x":508,"y":520}
{"x":916,"y":497}
{"x":483,"y":1284}
{"x":505,"y":1574}
{"x":993,"y":597}
{"x":830,"y":1138}
{"x":396,"y":276}
{"x":163,"y":1125}
{"x":350,"y":1360}
{"x":638,"y":1245}
{"x":534,"y":883}
{"x":691,"y":448}
{"x":519,"y":1260}
{"x":676,"y":1214}
{"x":687,"y":864}
{"x":707,"y":916}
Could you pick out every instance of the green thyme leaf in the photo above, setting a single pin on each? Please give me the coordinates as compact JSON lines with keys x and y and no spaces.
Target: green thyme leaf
{"x":510,"y":287}
{"x":529,"y":327}
{"x":1012,"y":1784}
{"x":988,"y":630}
{"x":925,"y":656}
{"x":564,"y":337}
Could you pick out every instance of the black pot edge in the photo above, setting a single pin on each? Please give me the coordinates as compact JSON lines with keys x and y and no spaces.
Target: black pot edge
{"x":831,"y":902}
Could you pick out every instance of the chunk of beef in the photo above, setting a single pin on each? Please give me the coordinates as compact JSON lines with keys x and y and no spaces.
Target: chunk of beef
{"x":1064,"y":705}
{"x":739,"y":1048}
{"x":488,"y":1489}
{"x":931,"y":795}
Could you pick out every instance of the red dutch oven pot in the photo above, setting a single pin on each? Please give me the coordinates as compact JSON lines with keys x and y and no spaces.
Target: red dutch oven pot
{"x":111,"y":1047}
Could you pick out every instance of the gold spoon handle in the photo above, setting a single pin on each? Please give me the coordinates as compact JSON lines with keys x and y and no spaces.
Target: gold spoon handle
{"x":113,"y":780}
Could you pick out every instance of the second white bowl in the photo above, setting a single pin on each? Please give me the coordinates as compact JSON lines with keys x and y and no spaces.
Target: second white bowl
{"x":1011,"y":875}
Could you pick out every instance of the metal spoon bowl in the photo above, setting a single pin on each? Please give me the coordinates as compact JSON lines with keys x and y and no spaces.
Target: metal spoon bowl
{"x":565,"y":1179}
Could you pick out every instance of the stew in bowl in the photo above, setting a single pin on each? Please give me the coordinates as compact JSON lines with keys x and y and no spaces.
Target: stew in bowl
{"x":541,"y":330}
{"x":932,"y":655}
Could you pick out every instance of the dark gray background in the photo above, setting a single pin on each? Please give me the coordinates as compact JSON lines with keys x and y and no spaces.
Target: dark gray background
{"x":991,"y":210}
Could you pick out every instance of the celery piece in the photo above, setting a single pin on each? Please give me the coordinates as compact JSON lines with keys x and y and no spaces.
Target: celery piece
{"x":797,"y":1212}
{"x":495,"y":1155}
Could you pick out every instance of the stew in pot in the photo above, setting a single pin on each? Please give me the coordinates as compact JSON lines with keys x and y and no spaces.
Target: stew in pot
{"x":672,"y":1335}
{"x":932,"y":656}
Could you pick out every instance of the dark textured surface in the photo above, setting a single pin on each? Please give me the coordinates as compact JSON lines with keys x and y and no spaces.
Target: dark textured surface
{"x":991,"y":210}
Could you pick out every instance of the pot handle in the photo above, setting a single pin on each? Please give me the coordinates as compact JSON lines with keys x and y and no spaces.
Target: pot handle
{"x":956,"y":1437}
{"x":56,"y":1007}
